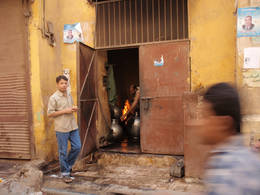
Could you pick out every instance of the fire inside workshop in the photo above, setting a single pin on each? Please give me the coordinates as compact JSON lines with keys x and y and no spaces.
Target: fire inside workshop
{"x":123,"y":95}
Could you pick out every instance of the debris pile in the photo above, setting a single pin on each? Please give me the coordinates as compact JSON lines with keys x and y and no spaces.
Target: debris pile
{"x":27,"y":180}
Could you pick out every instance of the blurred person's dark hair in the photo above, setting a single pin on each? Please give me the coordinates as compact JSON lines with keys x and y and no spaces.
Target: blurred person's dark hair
{"x":58,"y":78}
{"x":225,"y":102}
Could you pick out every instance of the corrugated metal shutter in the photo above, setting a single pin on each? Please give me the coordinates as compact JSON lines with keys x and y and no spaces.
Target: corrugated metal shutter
{"x":14,"y":127}
{"x":15,"y":117}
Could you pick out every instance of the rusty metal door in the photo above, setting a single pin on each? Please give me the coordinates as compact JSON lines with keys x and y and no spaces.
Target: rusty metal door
{"x":15,"y":97}
{"x":87,"y":99}
{"x":164,"y":73}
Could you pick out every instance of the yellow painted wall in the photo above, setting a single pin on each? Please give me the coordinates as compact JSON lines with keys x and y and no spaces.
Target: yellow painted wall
{"x":212,"y":36}
{"x":212,"y":32}
{"x":47,"y":62}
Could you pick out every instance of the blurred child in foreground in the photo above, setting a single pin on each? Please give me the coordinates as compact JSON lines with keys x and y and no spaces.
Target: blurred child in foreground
{"x":232,"y":169}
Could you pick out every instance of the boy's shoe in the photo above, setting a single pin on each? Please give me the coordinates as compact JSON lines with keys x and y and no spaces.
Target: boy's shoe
{"x":72,"y":175}
{"x":67,"y":179}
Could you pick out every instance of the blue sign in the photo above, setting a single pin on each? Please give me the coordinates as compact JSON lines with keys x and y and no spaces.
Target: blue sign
{"x":248,"y":22}
{"x":72,"y":33}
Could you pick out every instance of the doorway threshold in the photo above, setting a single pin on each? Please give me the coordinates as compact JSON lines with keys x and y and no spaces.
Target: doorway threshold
{"x":127,"y":148}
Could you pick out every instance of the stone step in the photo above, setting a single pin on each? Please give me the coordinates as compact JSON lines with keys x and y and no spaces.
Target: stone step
{"x":117,"y":173}
{"x":113,"y":179}
{"x":146,"y":160}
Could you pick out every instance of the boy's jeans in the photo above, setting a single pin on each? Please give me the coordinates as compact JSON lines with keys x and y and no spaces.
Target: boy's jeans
{"x":67,"y":161}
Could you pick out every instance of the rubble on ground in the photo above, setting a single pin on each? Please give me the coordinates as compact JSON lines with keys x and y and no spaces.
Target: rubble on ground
{"x":27,"y":180}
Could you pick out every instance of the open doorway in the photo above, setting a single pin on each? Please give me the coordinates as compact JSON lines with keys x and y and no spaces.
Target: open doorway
{"x":123,"y":64}
{"x":161,"y":69}
{"x":126,"y":71}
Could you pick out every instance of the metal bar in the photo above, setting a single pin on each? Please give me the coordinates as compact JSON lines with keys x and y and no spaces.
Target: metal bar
{"x":28,"y":94}
{"x":109,"y":29}
{"x":97,"y":31}
{"x":147,"y":21}
{"x":88,"y":100}
{"x":190,"y":73}
{"x":114,"y":23}
{"x":135,"y":45}
{"x":96,"y":34}
{"x":156,"y":97}
{"x":159,"y":19}
{"x":89,"y":122}
{"x":89,"y":67}
{"x":95,"y":78}
{"x":125,"y":18}
{"x":119,"y":14}
{"x":183,"y":19}
{"x":136,"y":31}
{"x":104,"y":25}
{"x":105,"y":2}
{"x":99,"y":25}
{"x":78,"y":78}
{"x":177,"y":21}
{"x":130,"y":16}
{"x":142,"y":33}
{"x":153,"y":19}
{"x":171,"y":16}
{"x":165,"y":24}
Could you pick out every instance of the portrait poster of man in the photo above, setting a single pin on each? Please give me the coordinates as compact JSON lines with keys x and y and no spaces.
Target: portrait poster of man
{"x":72,"y":33}
{"x":248,"y":22}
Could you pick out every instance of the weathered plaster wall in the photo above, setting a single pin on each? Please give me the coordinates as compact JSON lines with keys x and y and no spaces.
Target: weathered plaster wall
{"x":212,"y":34}
{"x":249,"y":82}
{"x":47,"y":62}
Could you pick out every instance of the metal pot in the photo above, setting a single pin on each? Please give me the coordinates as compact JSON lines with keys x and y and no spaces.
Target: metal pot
{"x":116,"y":130}
{"x":135,"y":129}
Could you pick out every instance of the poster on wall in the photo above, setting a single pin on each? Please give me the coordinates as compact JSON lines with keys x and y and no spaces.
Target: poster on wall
{"x":72,"y":33}
{"x":248,"y":22}
{"x":252,"y":57}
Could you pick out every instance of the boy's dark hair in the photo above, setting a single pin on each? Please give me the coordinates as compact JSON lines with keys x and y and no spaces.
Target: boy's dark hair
{"x":58,"y":78}
{"x":225,"y":101}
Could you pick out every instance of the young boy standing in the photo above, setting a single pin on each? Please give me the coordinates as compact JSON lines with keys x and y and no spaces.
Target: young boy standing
{"x":61,"y":108}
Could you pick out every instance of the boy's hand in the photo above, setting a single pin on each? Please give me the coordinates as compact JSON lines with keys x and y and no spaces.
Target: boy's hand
{"x":68,"y":110}
{"x":75,"y":108}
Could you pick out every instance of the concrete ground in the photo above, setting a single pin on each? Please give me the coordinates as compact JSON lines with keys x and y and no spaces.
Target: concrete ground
{"x":115,"y":173}
{"x":121,"y":180}
{"x":107,"y":174}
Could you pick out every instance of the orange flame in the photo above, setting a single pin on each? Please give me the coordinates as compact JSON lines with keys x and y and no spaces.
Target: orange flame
{"x":126,"y":108}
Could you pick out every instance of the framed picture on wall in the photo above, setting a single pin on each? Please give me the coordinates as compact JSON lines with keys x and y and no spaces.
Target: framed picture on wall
{"x":248,"y":22}
{"x":72,"y":33}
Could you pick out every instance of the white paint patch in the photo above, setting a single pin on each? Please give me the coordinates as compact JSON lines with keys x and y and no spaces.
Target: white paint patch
{"x":159,"y":63}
